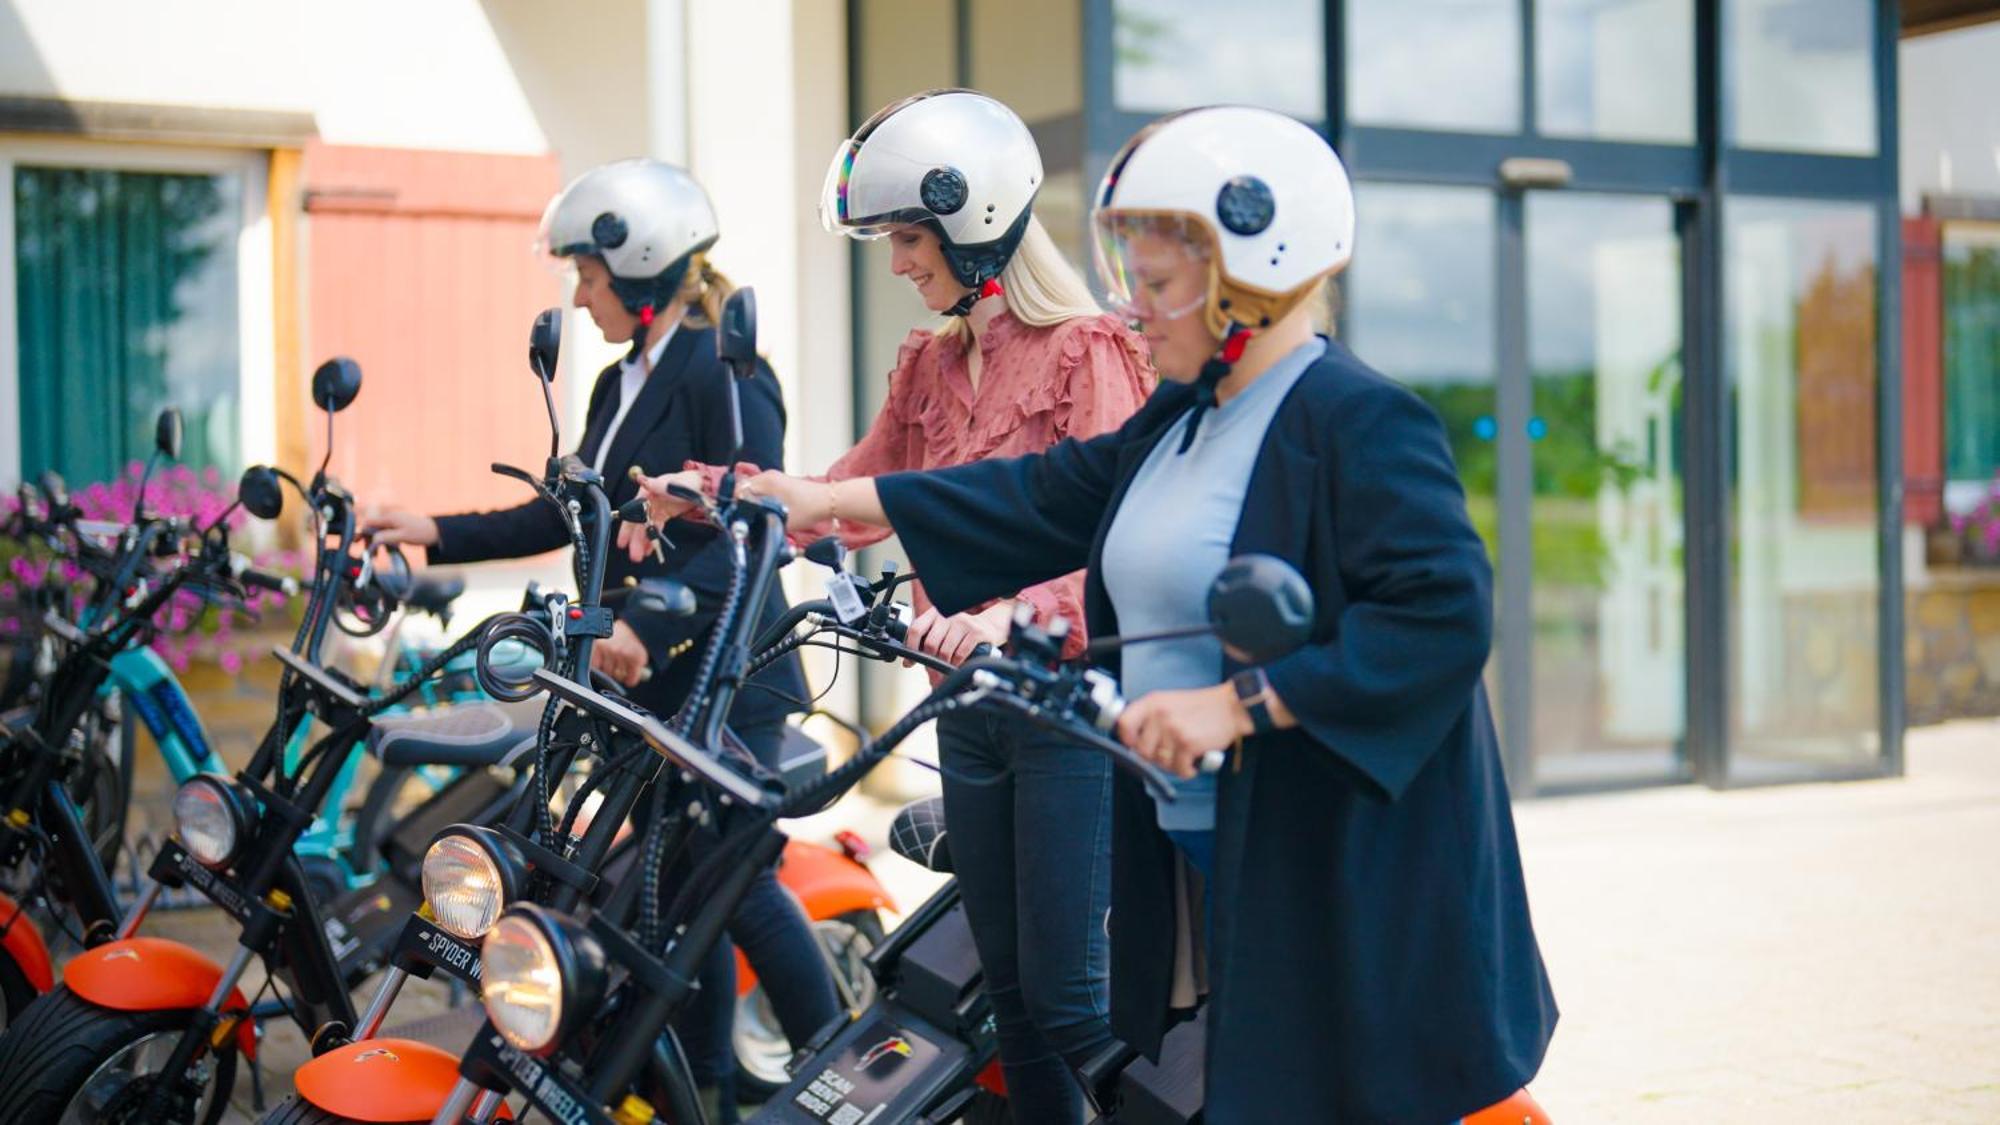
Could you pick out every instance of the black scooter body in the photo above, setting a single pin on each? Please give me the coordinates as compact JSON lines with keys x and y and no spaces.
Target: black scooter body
{"x":912,"y":1053}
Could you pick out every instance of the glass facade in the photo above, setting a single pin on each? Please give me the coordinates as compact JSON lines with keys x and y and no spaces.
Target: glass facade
{"x":1799,"y":327}
{"x":1435,"y":64}
{"x":1802,"y":74}
{"x":1615,"y":70}
{"x":1661,"y":359}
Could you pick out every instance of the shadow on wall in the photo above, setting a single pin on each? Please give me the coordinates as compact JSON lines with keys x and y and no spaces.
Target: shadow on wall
{"x":584,"y":73}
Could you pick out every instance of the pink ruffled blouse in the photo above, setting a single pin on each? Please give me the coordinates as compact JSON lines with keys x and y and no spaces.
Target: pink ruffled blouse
{"x":1037,"y":386}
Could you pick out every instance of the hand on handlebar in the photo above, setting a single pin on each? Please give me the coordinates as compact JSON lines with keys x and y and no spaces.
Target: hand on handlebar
{"x":954,"y":638}
{"x":392,"y":526}
{"x":621,"y":656}
{"x":661,"y":505}
{"x":1175,"y":730}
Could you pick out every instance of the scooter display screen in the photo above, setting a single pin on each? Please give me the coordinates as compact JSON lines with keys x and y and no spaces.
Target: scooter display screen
{"x":881,"y":1069}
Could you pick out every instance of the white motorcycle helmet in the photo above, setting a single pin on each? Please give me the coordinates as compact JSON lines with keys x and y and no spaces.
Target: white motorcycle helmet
{"x":1266,"y":198}
{"x":645,"y":219}
{"x":954,"y":160}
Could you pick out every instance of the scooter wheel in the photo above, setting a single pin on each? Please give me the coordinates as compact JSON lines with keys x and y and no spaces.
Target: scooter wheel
{"x":63,"y":1050}
{"x":16,"y":992}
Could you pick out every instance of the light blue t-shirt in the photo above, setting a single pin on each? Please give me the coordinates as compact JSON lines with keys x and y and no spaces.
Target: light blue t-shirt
{"x":1171,"y":538}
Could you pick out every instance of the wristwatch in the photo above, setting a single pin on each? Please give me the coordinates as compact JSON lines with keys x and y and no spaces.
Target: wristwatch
{"x":1254,"y":692}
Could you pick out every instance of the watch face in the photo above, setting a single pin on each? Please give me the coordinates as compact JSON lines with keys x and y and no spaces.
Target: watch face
{"x":1249,"y":683}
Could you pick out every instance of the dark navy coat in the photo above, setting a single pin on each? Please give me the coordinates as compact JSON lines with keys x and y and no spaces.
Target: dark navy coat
{"x":1373,"y":958}
{"x":681,"y":413}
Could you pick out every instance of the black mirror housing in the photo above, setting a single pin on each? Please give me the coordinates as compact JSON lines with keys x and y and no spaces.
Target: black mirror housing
{"x":1261,"y":606}
{"x":167,"y":433}
{"x":736,"y":336}
{"x":545,"y":344}
{"x":260,"y":493}
{"x":336,"y":384}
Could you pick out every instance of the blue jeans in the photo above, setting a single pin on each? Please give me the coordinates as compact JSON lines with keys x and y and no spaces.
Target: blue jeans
{"x":777,"y":939}
{"x":1030,"y":821}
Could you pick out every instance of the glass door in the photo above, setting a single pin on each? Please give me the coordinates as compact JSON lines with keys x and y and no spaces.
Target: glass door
{"x":1606,"y":652}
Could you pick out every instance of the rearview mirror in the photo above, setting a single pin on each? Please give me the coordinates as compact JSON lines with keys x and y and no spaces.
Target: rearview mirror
{"x":1261,"y":607}
{"x":259,"y":493}
{"x":545,"y":344}
{"x":167,"y":434}
{"x":736,"y":339}
{"x":336,"y":383}
{"x":54,"y":489}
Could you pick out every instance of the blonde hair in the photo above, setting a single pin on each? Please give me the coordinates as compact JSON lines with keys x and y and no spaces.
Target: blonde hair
{"x":1039,"y":285}
{"x":703,"y":292}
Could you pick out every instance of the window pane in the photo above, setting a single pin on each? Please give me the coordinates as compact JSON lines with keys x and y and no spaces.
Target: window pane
{"x":1419,"y":304}
{"x":1435,"y":64}
{"x":1615,"y":69}
{"x":1172,"y":54}
{"x":1604,"y":351}
{"x":1971,"y":362}
{"x":126,"y":304}
{"x":1799,"y":334}
{"x":1802,"y":75}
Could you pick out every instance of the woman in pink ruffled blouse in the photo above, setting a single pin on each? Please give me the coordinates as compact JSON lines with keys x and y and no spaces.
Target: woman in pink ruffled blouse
{"x":1024,"y":360}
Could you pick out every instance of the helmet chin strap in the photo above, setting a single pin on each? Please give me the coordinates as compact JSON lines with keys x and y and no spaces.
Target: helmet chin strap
{"x":642,"y":338}
{"x":1213,"y":372}
{"x":991,"y":288}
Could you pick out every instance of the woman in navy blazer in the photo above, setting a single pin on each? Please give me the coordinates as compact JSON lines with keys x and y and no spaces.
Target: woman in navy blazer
{"x":636,"y":233}
{"x":1369,"y":951}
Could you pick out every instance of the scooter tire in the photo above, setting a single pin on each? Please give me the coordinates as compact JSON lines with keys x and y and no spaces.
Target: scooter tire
{"x":16,"y":992}
{"x":61,"y":1040}
{"x":751,"y":1087}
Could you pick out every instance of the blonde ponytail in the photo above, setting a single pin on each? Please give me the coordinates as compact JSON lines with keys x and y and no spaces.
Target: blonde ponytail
{"x":703,"y":293}
{"x":1039,"y":285}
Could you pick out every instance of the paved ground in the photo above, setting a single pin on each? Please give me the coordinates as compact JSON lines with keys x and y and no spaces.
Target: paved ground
{"x":1799,"y":954}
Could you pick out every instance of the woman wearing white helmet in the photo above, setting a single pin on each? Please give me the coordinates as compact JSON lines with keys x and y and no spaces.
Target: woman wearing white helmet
{"x":637,"y":233}
{"x":1371,"y":956}
{"x":1025,"y":358}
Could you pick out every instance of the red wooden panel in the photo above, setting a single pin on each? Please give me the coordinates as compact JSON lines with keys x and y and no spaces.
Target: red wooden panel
{"x":1923,"y":373}
{"x":420,"y":268}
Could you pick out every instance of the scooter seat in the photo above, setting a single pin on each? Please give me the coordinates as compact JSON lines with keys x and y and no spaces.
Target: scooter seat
{"x":466,"y":734}
{"x":434,"y":595}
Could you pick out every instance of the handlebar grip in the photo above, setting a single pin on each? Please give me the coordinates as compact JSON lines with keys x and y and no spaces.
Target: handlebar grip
{"x":241,"y":570}
{"x":264,"y":580}
{"x":981,"y":651}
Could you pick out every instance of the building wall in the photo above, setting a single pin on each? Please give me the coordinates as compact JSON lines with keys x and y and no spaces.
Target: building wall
{"x":1950,"y":134}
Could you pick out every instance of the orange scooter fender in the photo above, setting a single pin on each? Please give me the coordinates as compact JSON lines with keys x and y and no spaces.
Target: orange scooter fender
{"x":381,"y":1080}
{"x":149,"y":974}
{"x":1521,"y":1109}
{"x":23,"y":943}
{"x":828,"y":883}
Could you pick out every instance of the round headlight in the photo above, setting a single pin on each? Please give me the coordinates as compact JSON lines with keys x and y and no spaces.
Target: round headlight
{"x":470,"y":874}
{"x":539,"y":973}
{"x":212,"y":818}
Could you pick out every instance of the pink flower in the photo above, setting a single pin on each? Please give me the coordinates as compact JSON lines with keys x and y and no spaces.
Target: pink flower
{"x":232,"y":662}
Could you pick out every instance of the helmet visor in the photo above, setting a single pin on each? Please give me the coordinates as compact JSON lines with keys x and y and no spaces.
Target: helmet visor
{"x":879,"y":200}
{"x":1154,"y":266}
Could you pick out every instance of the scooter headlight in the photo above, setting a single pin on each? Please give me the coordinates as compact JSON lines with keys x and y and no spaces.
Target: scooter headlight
{"x":470,"y":875}
{"x":541,"y":974}
{"x":212,"y":818}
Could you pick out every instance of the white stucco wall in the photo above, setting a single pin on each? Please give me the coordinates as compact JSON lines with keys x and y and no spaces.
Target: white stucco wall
{"x":1950,"y":88}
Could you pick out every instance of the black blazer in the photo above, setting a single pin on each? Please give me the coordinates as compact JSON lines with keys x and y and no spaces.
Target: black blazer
{"x":681,"y":413}
{"x":1373,"y":958}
